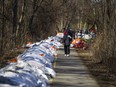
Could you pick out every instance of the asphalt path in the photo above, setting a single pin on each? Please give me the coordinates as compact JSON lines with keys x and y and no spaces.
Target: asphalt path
{"x":71,"y":71}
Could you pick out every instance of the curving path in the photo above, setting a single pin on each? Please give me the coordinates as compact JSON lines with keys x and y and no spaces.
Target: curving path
{"x":71,"y":72}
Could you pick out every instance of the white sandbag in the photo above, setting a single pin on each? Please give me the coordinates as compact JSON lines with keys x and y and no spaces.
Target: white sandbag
{"x":24,"y":74}
{"x":51,"y":72}
{"x":87,"y":36}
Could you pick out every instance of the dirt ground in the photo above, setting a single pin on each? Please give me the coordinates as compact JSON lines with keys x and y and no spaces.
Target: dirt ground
{"x":99,"y":70}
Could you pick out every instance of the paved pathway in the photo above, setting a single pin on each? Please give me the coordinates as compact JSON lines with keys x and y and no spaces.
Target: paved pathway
{"x":71,"y":72}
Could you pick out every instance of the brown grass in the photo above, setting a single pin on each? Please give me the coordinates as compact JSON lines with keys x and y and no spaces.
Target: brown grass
{"x":99,"y":70}
{"x":8,"y":56}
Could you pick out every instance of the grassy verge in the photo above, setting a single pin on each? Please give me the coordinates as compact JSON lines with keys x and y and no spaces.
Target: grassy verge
{"x":99,"y":70}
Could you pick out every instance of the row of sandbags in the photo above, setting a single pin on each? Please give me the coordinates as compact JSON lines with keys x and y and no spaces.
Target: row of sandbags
{"x":32,"y":68}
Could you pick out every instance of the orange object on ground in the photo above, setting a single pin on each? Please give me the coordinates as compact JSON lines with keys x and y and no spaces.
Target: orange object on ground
{"x":79,"y":43}
{"x":53,"y":47}
{"x":14,"y":60}
{"x":75,"y":41}
{"x":29,"y":43}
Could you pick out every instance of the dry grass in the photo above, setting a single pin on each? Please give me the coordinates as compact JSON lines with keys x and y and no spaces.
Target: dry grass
{"x":12,"y":54}
{"x":99,"y":70}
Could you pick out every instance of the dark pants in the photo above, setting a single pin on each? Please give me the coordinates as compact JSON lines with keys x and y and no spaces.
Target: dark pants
{"x":67,"y":49}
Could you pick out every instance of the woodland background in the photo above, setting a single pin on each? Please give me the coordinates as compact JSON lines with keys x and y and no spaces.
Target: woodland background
{"x":22,"y":21}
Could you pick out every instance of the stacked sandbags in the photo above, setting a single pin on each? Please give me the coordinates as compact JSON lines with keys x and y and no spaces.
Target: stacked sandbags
{"x":32,"y":68}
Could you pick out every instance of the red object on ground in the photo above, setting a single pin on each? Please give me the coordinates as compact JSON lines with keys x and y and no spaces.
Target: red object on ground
{"x":79,"y":43}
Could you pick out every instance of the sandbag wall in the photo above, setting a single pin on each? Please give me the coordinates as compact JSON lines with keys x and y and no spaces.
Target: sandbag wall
{"x":32,"y":68}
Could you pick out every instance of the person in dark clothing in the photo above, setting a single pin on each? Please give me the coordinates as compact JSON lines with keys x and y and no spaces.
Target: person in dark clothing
{"x":70,"y":32}
{"x":67,"y":39}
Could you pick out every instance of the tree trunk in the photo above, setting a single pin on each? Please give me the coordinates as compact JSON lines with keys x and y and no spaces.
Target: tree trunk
{"x":15,"y":17}
{"x":2,"y":30}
